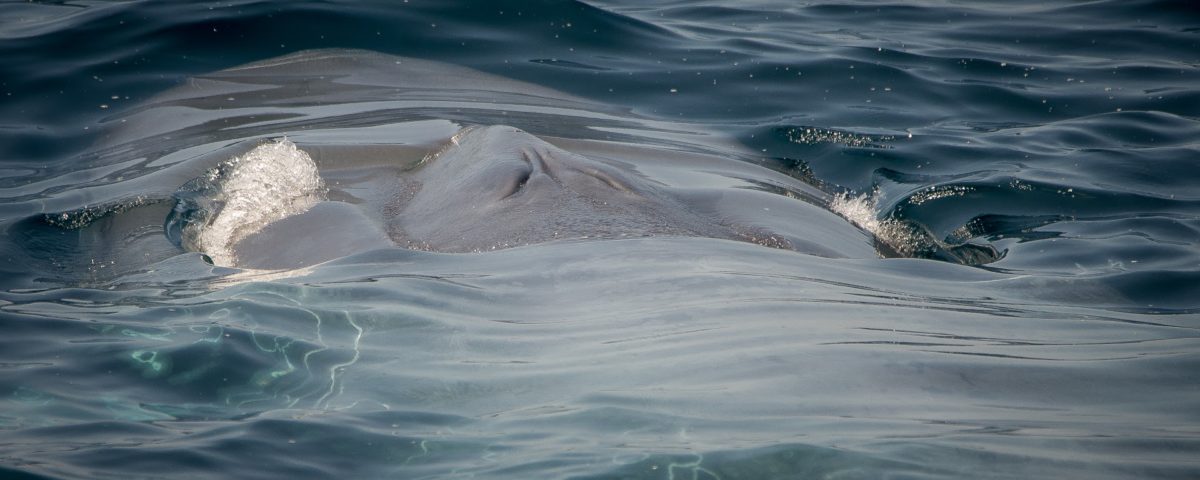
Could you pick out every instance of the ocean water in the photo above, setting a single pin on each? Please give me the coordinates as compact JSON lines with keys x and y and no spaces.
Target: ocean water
{"x":1028,"y":308}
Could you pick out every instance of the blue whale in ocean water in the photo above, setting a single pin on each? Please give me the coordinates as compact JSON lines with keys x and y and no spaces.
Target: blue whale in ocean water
{"x":482,"y":188}
{"x":374,"y":151}
{"x":491,"y":187}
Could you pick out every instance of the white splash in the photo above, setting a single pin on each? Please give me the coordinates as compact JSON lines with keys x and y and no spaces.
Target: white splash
{"x":859,"y":210}
{"x":273,"y":181}
{"x":863,"y":210}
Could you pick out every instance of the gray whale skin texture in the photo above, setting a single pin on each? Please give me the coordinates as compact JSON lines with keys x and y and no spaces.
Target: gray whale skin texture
{"x":481,"y":187}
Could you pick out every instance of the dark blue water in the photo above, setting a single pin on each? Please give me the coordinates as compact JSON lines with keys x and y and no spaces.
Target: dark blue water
{"x":1046,"y":325}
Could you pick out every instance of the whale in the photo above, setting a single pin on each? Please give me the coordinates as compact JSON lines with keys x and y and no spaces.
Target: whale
{"x":479,"y":186}
{"x":317,"y":155}
{"x":493,"y":187}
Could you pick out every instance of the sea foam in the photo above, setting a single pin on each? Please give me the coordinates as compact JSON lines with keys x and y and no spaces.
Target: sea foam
{"x":271,"y":182}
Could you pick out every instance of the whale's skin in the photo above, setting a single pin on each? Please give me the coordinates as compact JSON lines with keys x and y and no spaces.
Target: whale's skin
{"x":497,"y":186}
{"x":429,"y":156}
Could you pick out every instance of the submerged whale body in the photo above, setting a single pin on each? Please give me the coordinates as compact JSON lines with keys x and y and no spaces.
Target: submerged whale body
{"x":482,"y":188}
{"x":310,"y":157}
{"x":488,"y":188}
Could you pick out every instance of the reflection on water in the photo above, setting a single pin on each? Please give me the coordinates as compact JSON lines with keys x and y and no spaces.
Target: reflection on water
{"x":691,"y":355}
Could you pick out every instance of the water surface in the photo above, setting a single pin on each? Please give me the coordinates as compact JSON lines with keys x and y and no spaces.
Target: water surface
{"x":1062,"y":137}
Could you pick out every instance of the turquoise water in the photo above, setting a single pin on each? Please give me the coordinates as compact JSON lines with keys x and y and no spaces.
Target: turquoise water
{"x":1044,"y":326}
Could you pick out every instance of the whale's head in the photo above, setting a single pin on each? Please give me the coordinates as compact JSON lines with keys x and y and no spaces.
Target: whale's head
{"x":497,"y":186}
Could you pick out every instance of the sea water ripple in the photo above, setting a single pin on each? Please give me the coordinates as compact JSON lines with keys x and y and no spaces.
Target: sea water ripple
{"x":1063,"y":136}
